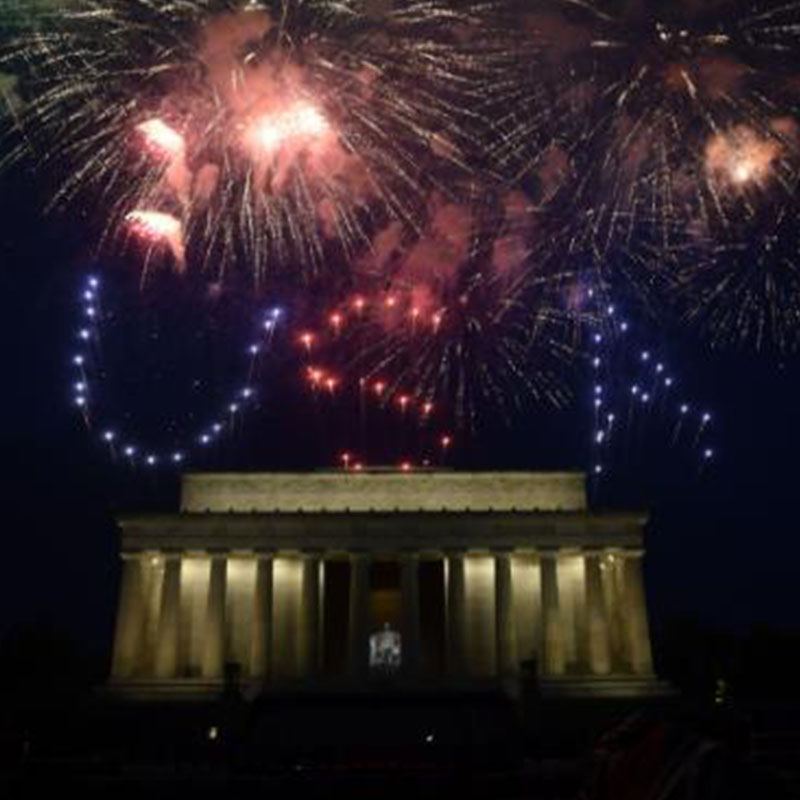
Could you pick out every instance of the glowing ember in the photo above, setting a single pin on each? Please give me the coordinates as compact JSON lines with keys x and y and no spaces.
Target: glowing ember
{"x":302,"y":121}
{"x":741,"y":157}
{"x":158,"y":227}
{"x":154,"y":224}
{"x":307,"y":340}
{"x":162,"y":137}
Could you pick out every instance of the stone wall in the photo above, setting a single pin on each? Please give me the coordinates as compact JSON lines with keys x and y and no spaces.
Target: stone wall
{"x":383,"y":491}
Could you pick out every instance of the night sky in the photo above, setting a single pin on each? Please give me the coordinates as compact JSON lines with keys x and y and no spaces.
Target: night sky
{"x":722,"y":543}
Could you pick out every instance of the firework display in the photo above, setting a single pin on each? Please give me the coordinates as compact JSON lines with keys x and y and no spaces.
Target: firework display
{"x":661,"y":133}
{"x":272,"y":135}
{"x":432,"y":185}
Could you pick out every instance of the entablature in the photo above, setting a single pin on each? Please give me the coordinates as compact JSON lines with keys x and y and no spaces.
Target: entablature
{"x":382,"y":532}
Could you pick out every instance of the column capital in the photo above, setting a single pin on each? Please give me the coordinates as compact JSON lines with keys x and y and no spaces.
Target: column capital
{"x":630,"y":552}
{"x":502,"y":552}
{"x":549,"y":552}
{"x":455,"y":552}
{"x":264,"y":553}
{"x":594,"y":550}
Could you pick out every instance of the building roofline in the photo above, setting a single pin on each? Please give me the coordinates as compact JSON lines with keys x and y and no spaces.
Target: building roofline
{"x":382,"y":470}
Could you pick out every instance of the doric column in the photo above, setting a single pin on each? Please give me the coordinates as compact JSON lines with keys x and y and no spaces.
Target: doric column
{"x":358,"y":638}
{"x":551,"y":614}
{"x":456,"y":613}
{"x":637,"y":628}
{"x":166,"y":665}
{"x":129,"y":631}
{"x":410,"y":633}
{"x":310,"y":613}
{"x":505,"y":625}
{"x":261,"y":649}
{"x":214,"y":647}
{"x":598,"y":632}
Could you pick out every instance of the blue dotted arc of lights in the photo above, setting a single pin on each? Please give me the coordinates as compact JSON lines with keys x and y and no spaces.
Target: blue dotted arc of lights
{"x":654,"y":386}
{"x":121,"y":443}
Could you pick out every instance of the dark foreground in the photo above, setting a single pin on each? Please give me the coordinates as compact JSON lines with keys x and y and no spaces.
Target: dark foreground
{"x":406,"y":744}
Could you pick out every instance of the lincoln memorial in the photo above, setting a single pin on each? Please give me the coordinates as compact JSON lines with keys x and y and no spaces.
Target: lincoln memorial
{"x":286,"y":579}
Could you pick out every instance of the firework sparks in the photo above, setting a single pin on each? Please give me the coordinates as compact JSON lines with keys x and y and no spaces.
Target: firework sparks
{"x":744,"y":291}
{"x":645,"y":126}
{"x":476,"y":315}
{"x":281,"y":131}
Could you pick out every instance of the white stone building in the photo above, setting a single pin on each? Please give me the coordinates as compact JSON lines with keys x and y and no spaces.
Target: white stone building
{"x":486,"y":576}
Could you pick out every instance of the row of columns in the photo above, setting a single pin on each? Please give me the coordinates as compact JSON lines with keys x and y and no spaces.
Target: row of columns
{"x":628,"y":603}
{"x":595,"y":639}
